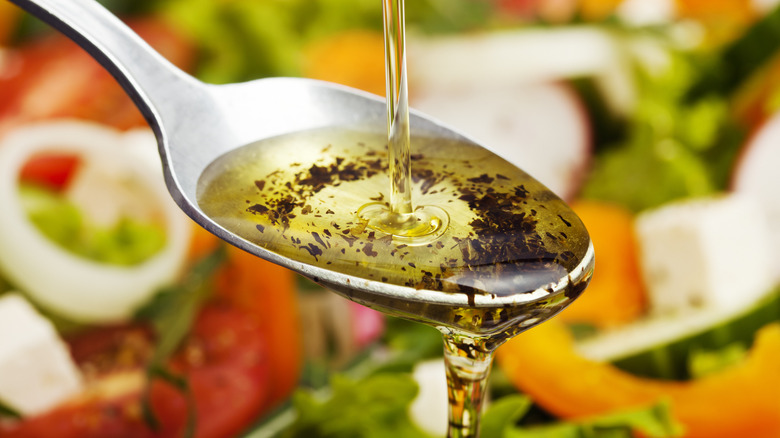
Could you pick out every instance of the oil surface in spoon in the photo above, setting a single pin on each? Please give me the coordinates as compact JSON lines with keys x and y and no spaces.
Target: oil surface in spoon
{"x":298,"y":195}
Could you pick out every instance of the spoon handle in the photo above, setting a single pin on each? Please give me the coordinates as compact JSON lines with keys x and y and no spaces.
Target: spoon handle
{"x":150,"y":80}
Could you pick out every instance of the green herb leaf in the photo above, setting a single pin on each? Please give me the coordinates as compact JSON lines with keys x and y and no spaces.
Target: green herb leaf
{"x":647,"y":173}
{"x":652,"y":422}
{"x":504,"y":414}
{"x":374,"y":407}
{"x":181,"y":384}
{"x":9,"y":412}
{"x":172,"y":311}
{"x":739,"y":60}
{"x":410,"y":342}
{"x":705,"y":362}
{"x":672,"y":148}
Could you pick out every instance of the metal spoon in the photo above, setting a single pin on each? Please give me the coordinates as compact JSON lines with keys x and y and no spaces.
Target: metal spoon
{"x":196,"y":122}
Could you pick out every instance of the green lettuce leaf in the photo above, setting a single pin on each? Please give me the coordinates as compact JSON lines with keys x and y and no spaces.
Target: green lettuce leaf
{"x":247,"y":39}
{"x":705,"y":362}
{"x":373,"y":407}
{"x":673,"y":147}
{"x":8,"y":412}
{"x":729,"y":68}
{"x":127,"y":243}
{"x":241,"y":40}
{"x":501,"y":419}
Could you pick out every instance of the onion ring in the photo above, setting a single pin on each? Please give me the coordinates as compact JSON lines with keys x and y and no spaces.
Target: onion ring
{"x":64,"y":283}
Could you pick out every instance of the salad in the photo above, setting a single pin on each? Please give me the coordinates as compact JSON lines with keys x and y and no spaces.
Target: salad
{"x":120,"y":317}
{"x":658,"y":121}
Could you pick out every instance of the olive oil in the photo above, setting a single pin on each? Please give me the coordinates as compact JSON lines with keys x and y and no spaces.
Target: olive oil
{"x":508,"y":238}
{"x":503,"y":254}
{"x":484,"y":252}
{"x":398,"y":216}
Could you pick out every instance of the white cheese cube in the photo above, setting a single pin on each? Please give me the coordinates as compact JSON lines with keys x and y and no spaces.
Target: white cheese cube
{"x":36,"y":370}
{"x":704,"y":252}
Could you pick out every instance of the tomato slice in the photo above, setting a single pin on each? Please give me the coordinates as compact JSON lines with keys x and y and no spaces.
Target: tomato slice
{"x":52,"y":171}
{"x":268,"y":293}
{"x":225,"y":361}
{"x":52,"y":77}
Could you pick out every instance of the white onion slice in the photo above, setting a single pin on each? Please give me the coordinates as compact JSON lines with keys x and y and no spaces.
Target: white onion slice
{"x":542,"y":128}
{"x":755,"y":174}
{"x":64,"y":283}
{"x":502,"y":89}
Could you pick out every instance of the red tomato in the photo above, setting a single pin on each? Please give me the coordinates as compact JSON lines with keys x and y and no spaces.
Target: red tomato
{"x":268,"y":293}
{"x":225,"y":361}
{"x":53,"y":77}
{"x":520,"y":8}
{"x":52,"y":170}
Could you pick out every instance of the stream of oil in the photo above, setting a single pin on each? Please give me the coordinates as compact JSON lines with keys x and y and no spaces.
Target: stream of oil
{"x":399,"y":217}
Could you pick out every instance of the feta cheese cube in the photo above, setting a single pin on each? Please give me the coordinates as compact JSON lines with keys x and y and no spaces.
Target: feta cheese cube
{"x":36,"y":370}
{"x":704,"y":252}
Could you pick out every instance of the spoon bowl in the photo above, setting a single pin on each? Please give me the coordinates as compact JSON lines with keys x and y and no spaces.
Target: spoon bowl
{"x":195,"y":123}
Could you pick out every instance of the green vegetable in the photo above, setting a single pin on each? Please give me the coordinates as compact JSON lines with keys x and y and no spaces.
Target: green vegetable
{"x":673,"y":148}
{"x":171,"y":314}
{"x":448,"y":16}
{"x":129,"y":242}
{"x":705,"y":362}
{"x":501,"y":419}
{"x":31,"y":27}
{"x":504,"y":414}
{"x":730,"y":68}
{"x":694,"y":352}
{"x":410,"y":342}
{"x":8,"y":412}
{"x":172,"y":311}
{"x":647,"y":173}
{"x":242,"y":40}
{"x":246,"y":39}
{"x":374,"y":407}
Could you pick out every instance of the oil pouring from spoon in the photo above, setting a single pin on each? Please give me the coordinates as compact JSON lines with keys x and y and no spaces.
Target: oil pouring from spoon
{"x":279,"y":166}
{"x":468,"y":358}
{"x":467,"y":374}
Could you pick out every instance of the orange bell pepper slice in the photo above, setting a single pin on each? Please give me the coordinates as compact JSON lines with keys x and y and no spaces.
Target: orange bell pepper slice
{"x":354,"y":58}
{"x":615,"y":295}
{"x":740,"y":401}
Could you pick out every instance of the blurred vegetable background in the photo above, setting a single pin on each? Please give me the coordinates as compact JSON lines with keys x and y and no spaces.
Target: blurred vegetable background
{"x":659,"y":120}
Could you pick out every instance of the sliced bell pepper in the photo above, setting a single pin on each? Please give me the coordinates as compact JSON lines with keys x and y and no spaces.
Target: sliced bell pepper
{"x":615,"y":295}
{"x":739,"y":401}
{"x":353,"y":58}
